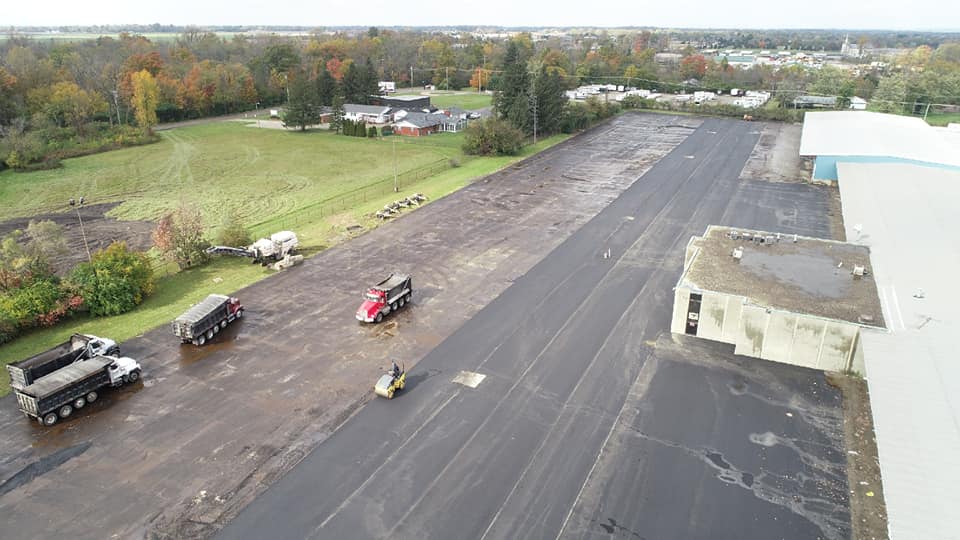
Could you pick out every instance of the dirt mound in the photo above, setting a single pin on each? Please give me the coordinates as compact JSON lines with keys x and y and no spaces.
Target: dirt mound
{"x":100,"y":231}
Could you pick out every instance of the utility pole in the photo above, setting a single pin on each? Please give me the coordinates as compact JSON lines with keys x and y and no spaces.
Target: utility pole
{"x":533,"y":98}
{"x":76,"y":206}
{"x":116,"y":104}
{"x":411,"y":76}
{"x":482,"y":67}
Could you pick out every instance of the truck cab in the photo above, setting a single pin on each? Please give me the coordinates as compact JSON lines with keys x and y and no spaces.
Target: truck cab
{"x":373,"y":303}
{"x":123,"y":370}
{"x":385,"y":297}
{"x":102,"y":346}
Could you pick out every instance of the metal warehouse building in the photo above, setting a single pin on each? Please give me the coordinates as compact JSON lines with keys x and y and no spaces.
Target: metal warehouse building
{"x":907,"y":215}
{"x":784,"y":298}
{"x":833,"y":137}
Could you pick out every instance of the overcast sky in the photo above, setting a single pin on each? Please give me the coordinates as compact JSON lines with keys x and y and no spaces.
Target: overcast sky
{"x":852,"y":14}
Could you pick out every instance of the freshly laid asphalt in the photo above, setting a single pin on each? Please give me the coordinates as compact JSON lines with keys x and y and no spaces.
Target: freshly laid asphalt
{"x":592,"y":419}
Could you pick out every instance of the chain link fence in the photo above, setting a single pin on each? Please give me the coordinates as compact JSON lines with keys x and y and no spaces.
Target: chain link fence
{"x":350,"y":199}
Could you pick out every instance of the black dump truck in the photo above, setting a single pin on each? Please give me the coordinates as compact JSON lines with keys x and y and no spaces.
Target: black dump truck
{"x":57,"y":395}
{"x":78,"y":347}
{"x":205,"y":319}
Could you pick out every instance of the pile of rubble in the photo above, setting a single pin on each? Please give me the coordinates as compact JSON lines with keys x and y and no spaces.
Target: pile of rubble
{"x":393,"y":209}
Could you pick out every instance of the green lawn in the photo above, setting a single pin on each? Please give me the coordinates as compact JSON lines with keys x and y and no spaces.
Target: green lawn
{"x":262,"y":172}
{"x":943,"y":119}
{"x":175,"y":293}
{"x":469,"y":101}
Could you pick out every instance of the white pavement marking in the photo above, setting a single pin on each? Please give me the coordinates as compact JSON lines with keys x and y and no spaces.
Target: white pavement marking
{"x":376,"y":472}
{"x":469,"y":379}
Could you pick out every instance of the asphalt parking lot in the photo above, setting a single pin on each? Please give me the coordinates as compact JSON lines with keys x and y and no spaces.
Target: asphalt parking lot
{"x":592,"y":420}
{"x":208,"y":429}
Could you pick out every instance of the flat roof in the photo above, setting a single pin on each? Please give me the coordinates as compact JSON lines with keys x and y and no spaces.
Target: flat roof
{"x":865,"y":133}
{"x":811,"y":276}
{"x":404,"y":97}
{"x":907,"y":216}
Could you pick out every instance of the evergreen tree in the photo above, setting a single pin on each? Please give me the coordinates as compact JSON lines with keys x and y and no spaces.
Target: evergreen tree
{"x":370,"y":83}
{"x":550,"y":102}
{"x":326,"y":87}
{"x":352,"y":85}
{"x":512,"y":100}
{"x":336,"y":124}
{"x":303,"y":109}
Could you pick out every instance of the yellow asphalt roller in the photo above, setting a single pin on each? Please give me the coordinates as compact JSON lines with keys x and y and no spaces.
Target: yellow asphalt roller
{"x":390,"y":383}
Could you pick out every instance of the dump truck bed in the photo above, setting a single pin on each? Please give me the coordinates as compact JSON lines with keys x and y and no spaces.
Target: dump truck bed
{"x":200,"y":310}
{"x":60,"y":379}
{"x":392,"y":282}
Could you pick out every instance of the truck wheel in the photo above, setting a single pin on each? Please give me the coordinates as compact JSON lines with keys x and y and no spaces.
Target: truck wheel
{"x":223,"y":324}
{"x":239,"y":313}
{"x":408,"y":297}
{"x":393,"y":307}
{"x":216,"y":329}
{"x":200,"y":340}
{"x":134,"y":375}
{"x":49,"y":419}
{"x":79,"y":403}
{"x":114,"y":352}
{"x":402,"y":302}
{"x":65,"y":411}
{"x":210,"y":334}
{"x":378,"y":318}
{"x":91,"y":397}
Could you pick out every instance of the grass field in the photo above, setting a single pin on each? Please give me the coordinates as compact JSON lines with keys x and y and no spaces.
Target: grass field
{"x":469,"y":101}
{"x":943,"y":119}
{"x":261,"y":172}
{"x":268,"y":155}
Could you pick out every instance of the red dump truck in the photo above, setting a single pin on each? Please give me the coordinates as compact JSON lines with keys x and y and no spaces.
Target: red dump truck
{"x":78,"y":347}
{"x":385,"y":297}
{"x":204,"y":320}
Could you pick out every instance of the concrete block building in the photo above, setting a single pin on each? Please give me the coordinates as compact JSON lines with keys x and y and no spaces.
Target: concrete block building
{"x":790,"y":299}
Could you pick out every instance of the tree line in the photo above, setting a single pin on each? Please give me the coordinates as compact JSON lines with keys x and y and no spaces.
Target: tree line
{"x":62,"y":98}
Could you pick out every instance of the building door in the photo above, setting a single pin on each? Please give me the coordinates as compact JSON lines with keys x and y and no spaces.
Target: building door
{"x":693,"y":313}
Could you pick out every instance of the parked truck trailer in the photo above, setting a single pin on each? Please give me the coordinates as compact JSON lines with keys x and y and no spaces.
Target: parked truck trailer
{"x":57,"y":395}
{"x":78,"y":347}
{"x":204,"y":320}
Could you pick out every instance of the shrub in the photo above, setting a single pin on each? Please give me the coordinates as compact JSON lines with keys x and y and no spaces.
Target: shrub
{"x":233,"y":233}
{"x":179,"y":236}
{"x":115,"y":281}
{"x":372,"y":132}
{"x":492,"y":136}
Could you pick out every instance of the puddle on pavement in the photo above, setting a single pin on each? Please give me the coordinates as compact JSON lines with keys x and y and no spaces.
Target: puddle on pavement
{"x":191,"y":354}
{"x":717,"y":459}
{"x":738,"y":388}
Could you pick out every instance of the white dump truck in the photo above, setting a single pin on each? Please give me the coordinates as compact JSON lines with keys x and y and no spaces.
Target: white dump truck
{"x":57,"y":395}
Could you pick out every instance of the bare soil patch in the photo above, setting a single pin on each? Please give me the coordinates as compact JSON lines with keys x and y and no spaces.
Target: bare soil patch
{"x":100,"y":232}
{"x":868,"y":511}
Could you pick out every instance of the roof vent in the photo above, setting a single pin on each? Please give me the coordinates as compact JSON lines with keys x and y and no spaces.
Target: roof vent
{"x":859,"y":270}
{"x":865,"y":319}
{"x":738,"y":253}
